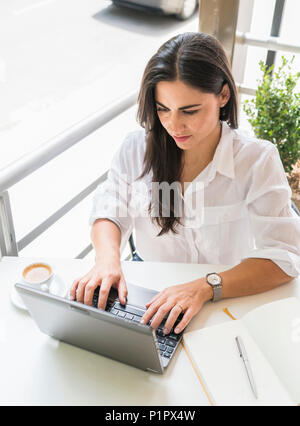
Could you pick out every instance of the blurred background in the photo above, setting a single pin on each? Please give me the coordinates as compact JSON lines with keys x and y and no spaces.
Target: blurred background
{"x":63,"y":60}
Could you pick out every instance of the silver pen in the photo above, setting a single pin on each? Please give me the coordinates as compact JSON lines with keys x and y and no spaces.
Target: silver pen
{"x":244,"y":356}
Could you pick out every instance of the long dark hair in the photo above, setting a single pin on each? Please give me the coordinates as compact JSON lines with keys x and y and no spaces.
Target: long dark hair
{"x":196,"y":59}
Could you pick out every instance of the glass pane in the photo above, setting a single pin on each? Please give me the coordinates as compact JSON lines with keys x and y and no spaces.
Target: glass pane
{"x":290,"y":32}
{"x":261,"y":26}
{"x":60,"y":61}
{"x":262,"y":17}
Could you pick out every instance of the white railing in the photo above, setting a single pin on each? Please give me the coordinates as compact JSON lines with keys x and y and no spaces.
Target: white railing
{"x":24,"y":166}
{"x":18,"y":170}
{"x":270,"y":43}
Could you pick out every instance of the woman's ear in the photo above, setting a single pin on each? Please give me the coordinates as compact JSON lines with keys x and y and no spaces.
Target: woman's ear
{"x":224,"y":96}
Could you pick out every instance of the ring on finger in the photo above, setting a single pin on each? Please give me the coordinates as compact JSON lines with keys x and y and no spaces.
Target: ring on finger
{"x":178,"y":304}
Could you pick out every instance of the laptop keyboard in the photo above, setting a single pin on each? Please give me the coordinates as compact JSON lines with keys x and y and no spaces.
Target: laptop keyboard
{"x":167,"y":343}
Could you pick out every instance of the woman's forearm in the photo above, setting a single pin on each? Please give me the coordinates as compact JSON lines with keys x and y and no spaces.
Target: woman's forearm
{"x":249,"y":277}
{"x":252,"y":276}
{"x":106,"y":239}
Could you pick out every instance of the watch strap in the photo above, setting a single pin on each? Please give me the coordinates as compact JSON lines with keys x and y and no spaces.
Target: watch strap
{"x":217,"y":288}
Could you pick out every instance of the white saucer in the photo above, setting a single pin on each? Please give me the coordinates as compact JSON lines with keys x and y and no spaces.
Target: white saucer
{"x":57,"y":287}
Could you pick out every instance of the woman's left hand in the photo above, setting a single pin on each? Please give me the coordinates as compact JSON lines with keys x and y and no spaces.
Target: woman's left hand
{"x":183,"y":298}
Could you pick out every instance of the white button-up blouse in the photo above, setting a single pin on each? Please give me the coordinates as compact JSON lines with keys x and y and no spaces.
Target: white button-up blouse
{"x":243,"y":199}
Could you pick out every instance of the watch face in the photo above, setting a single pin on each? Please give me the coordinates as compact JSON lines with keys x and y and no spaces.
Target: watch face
{"x":214,"y":279}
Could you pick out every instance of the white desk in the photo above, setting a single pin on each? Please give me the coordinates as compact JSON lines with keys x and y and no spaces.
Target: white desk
{"x":38,"y":370}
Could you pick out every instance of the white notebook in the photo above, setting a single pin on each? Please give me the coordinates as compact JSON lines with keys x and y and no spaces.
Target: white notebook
{"x":271,"y":335}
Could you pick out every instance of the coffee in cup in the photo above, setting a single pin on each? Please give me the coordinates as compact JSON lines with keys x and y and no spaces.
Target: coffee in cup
{"x":38,"y":275}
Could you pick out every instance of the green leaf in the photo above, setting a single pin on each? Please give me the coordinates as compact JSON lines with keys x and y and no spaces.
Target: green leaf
{"x":274,"y":113}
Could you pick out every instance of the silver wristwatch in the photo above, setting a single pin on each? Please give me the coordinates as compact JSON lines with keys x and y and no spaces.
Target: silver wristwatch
{"x":215,"y":281}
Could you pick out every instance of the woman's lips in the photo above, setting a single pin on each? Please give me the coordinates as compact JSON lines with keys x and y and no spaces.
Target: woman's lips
{"x":181,"y":138}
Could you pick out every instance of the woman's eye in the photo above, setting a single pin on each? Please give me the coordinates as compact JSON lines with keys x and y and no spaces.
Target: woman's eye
{"x":184,"y":112}
{"x":190,"y":112}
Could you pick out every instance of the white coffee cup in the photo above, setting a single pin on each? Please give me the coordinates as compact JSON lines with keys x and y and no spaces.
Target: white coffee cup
{"x":38,"y":275}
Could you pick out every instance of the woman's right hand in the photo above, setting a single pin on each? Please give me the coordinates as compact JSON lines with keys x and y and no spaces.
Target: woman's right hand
{"x":106,"y":273}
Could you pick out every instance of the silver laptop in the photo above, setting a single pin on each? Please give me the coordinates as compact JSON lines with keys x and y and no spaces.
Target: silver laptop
{"x":115,"y":333}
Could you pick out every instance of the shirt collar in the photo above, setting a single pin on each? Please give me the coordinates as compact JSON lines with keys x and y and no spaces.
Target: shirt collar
{"x":222,"y":161}
{"x":223,"y":158}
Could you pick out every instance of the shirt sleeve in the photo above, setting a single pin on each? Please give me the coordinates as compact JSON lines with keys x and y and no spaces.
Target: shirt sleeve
{"x":274,"y":224}
{"x":111,"y":199}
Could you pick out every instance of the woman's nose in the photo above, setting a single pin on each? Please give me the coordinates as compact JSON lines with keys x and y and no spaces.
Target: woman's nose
{"x":177,"y":125}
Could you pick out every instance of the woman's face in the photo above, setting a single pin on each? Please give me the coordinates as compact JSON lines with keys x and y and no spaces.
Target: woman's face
{"x":190,"y":116}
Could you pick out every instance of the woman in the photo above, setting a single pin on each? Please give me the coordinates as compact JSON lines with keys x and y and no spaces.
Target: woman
{"x":187,"y":107}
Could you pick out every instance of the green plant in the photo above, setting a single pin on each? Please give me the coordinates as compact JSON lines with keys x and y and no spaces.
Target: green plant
{"x":275,"y":111}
